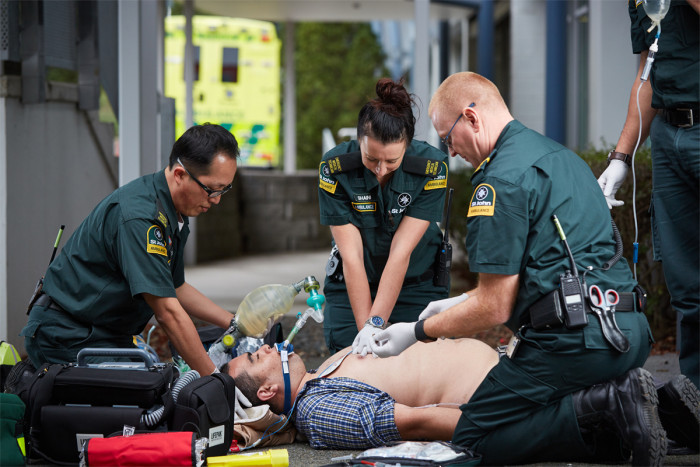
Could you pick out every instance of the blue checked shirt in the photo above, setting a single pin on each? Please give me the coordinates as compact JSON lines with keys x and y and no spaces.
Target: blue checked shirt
{"x":342,"y":413}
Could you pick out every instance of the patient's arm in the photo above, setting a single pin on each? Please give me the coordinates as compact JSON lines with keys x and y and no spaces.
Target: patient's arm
{"x":430,"y":423}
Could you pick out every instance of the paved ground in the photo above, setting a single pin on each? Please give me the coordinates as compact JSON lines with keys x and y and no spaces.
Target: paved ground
{"x":227,"y":282}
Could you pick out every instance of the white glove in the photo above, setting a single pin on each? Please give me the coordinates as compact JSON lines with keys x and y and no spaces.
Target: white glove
{"x":241,"y":402}
{"x":438,"y":306}
{"x":364,"y":339}
{"x":611,"y":179}
{"x":394,"y":339}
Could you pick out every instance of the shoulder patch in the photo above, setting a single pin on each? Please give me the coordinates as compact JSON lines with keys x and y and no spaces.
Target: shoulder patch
{"x":325,"y":180}
{"x":420,"y":166}
{"x":344,"y":162}
{"x":483,"y":202}
{"x":155,"y":242}
{"x":440,"y":181}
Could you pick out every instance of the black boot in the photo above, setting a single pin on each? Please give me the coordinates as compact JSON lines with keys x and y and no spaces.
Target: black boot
{"x":628,"y":406}
{"x":679,"y":411}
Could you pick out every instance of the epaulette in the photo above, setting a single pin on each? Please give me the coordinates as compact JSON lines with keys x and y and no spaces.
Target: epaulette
{"x":345,"y":162}
{"x":420,"y":166}
{"x":162,"y":218}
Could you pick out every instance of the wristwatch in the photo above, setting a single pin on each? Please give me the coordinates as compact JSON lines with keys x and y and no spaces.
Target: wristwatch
{"x":376,"y":321}
{"x":620,"y":156}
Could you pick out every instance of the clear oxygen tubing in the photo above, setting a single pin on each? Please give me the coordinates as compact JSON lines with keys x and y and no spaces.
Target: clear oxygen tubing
{"x":644,"y":77}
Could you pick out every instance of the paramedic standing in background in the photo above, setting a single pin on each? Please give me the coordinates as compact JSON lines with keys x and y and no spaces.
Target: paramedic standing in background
{"x":381,"y":195}
{"x":669,"y":103}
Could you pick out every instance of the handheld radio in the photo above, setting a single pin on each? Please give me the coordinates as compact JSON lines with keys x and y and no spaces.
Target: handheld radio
{"x":40,"y":283}
{"x":572,"y":303}
{"x":444,"y":264}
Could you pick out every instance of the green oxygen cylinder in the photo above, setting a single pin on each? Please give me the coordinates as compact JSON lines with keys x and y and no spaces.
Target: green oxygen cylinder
{"x":267,"y":302}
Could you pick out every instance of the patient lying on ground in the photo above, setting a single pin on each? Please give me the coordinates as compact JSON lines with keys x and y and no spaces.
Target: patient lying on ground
{"x":359,"y":402}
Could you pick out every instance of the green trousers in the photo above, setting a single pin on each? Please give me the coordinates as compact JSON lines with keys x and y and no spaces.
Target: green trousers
{"x":523,"y":411}
{"x":675,"y":156}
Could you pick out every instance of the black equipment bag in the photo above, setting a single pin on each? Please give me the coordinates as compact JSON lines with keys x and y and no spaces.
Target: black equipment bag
{"x":69,"y":403}
{"x":207,"y":406}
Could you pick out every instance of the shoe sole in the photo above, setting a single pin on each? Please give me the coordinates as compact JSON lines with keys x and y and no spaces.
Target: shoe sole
{"x":657,"y":436}
{"x":688,"y":394}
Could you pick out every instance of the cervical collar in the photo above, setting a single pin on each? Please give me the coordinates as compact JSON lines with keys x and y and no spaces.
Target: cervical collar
{"x":284,"y":351}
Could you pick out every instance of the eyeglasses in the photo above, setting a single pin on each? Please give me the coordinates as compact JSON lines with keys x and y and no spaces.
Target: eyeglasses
{"x":446,"y":140}
{"x":211,"y":193}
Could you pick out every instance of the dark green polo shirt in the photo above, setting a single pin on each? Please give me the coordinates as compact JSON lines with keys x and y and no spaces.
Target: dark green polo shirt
{"x":525,"y":180}
{"x":355,"y":197}
{"x":675,"y":75}
{"x":125,"y":247}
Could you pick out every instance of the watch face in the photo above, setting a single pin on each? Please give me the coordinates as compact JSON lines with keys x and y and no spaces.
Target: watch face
{"x":377,"y":321}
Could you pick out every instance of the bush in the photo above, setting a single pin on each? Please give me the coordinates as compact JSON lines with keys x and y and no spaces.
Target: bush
{"x":649,"y":273}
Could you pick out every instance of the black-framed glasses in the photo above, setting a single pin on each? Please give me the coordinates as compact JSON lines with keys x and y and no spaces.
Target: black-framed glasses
{"x":446,"y":140}
{"x":211,"y":193}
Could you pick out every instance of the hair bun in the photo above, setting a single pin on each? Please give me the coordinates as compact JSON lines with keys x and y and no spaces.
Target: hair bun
{"x":393,"y":96}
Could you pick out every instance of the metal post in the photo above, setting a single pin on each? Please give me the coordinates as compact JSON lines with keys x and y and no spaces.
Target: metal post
{"x":421,"y":85}
{"x":290,"y":103}
{"x":129,"y":101}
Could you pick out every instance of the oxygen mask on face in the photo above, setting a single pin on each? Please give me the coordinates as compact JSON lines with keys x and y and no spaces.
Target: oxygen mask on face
{"x":262,"y":308}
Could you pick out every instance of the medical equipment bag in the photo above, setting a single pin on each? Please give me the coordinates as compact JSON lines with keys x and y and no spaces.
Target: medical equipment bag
{"x":69,"y":403}
{"x":144,"y":449}
{"x":11,"y":430}
{"x":207,"y":406}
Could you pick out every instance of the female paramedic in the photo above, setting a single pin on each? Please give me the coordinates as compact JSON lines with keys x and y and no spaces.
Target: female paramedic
{"x":381,"y":195}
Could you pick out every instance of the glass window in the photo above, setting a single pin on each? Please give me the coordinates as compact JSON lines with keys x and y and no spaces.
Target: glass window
{"x":229,"y":65}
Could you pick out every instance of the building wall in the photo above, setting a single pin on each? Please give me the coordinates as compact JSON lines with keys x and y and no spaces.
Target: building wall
{"x":269,"y":212}
{"x":55,"y":174}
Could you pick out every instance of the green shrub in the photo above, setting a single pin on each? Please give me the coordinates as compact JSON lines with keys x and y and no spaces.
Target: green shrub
{"x":649,"y":273}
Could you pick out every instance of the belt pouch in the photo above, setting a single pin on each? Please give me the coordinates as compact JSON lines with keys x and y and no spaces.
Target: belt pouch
{"x":546,"y":312}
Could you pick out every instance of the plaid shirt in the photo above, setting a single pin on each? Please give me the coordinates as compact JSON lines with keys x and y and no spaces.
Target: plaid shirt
{"x":342,"y":413}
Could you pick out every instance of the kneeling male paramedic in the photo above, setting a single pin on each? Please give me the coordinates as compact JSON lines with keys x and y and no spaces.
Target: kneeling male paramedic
{"x":533,"y":405}
{"x":124,"y":263}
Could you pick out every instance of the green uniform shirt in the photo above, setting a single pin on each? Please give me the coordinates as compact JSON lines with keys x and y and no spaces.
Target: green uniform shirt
{"x":523,"y":182}
{"x":125,"y":247}
{"x":675,"y":75}
{"x":349,"y":193}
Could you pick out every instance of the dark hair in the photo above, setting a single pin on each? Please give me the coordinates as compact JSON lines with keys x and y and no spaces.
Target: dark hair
{"x":249,"y":386}
{"x":388,"y":118}
{"x":198,"y":146}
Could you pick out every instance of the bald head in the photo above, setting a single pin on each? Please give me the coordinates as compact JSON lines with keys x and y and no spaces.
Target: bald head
{"x":469,"y":113}
{"x":461,"y":89}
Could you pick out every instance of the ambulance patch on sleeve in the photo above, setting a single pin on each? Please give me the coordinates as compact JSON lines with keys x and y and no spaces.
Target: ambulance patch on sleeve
{"x":155,"y":243}
{"x":483,"y":201}
{"x":325,"y":182}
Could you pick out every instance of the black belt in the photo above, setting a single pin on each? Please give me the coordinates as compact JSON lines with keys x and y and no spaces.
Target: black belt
{"x":681,"y":117}
{"x":427,"y":275}
{"x":47,"y":302}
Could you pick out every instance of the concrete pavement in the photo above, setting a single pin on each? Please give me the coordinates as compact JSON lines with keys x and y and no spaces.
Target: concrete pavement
{"x":227,"y":282}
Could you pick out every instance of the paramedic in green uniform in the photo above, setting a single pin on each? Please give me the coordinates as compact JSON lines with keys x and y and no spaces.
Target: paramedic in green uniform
{"x":124,"y":263}
{"x":669,"y":102}
{"x":533,"y":405}
{"x":381,"y":195}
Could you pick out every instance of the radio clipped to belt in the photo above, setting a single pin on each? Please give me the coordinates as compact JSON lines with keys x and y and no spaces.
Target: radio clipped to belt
{"x":572,"y":301}
{"x":38,"y":289}
{"x":334,"y":266}
{"x":444,"y":259}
